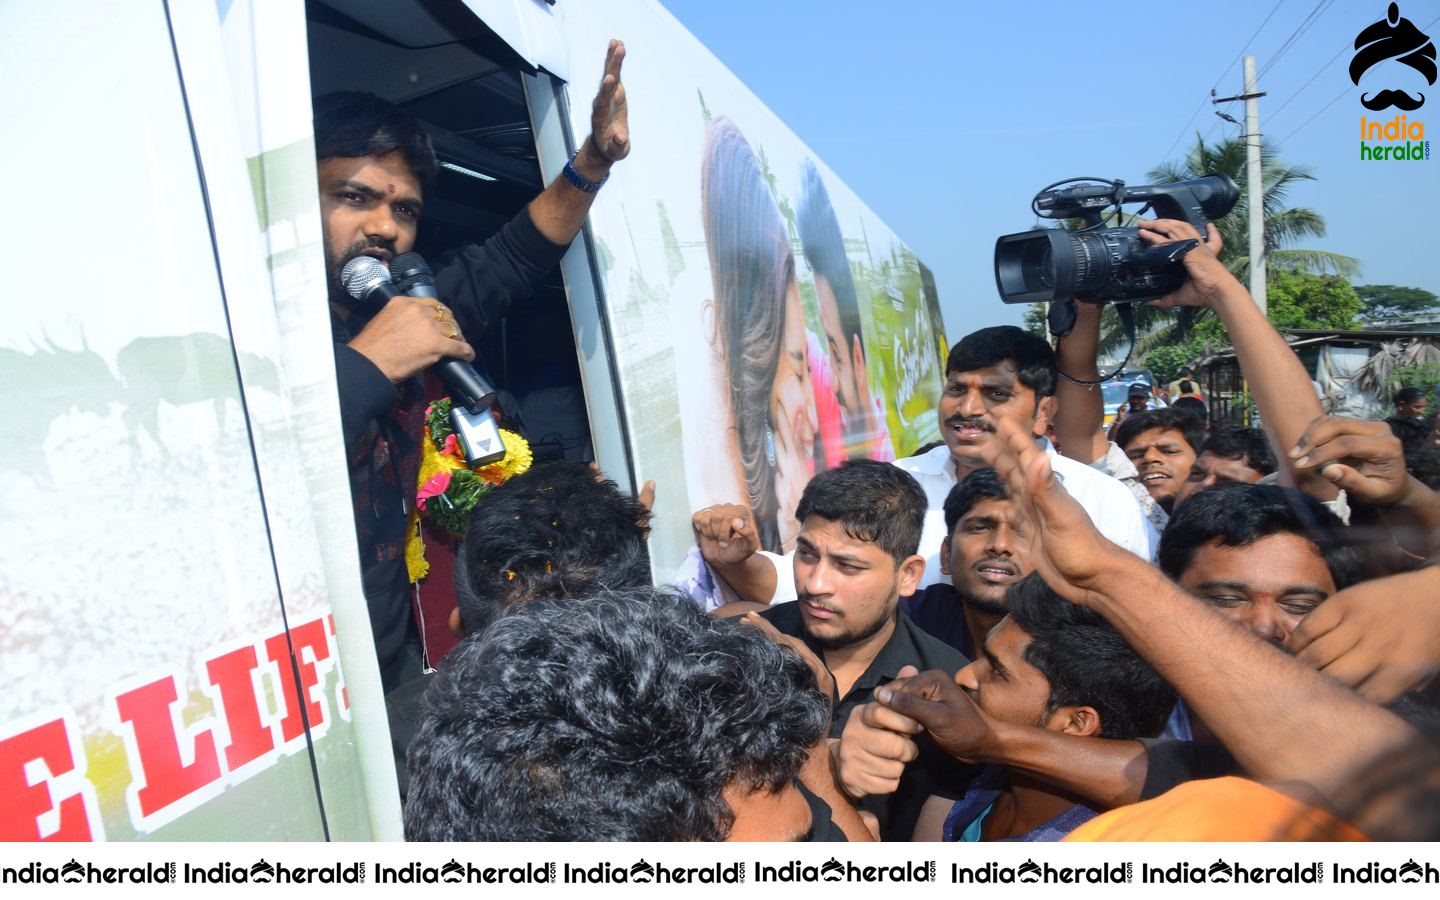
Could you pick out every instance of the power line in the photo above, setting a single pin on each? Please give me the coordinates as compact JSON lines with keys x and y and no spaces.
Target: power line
{"x":1183,"y":128}
{"x":1304,"y":26}
{"x":1314,"y":117}
{"x":1248,"y":43}
{"x":1337,"y":96}
{"x":1309,"y":81}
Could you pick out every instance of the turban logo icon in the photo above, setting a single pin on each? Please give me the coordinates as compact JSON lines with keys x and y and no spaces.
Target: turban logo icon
{"x":1393,"y":38}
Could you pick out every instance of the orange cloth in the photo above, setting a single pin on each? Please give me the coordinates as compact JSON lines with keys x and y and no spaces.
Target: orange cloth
{"x":1217,"y":809}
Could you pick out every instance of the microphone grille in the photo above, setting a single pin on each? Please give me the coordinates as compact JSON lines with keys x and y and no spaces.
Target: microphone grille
{"x":361,"y":274}
{"x":408,"y":264}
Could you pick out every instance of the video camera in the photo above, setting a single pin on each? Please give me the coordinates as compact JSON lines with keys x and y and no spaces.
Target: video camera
{"x":1105,"y":264}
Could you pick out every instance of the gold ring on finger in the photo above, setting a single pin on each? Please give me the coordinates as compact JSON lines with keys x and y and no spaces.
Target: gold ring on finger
{"x":439,"y":313}
{"x":454,"y":332}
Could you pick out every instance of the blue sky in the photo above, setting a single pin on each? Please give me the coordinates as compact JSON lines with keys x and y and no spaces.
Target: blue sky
{"x":946,"y":118}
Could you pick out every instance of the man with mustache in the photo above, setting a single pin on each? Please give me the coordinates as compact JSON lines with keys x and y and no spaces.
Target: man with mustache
{"x":992,"y":375}
{"x":375,"y":164}
{"x":856,"y":556}
{"x":984,"y":554}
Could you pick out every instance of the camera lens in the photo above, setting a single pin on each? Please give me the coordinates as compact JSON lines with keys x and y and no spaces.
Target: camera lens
{"x":1038,"y":262}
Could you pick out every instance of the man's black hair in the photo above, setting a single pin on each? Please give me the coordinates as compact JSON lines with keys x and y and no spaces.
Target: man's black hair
{"x":1033,"y":358}
{"x":354,"y":123}
{"x":1170,"y":418}
{"x":620,"y":716}
{"x":981,"y":484}
{"x":824,"y":246}
{"x":875,"y":501}
{"x":1238,"y":515}
{"x":1138,"y":389}
{"x":1249,"y":444}
{"x":1413,"y":433}
{"x":1408,"y":395}
{"x":1088,"y":663}
{"x":1192,"y":406}
{"x":551,"y":533}
{"x":1186,"y":370}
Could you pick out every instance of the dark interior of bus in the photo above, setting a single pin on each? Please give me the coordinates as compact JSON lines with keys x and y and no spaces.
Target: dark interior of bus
{"x":465,"y":86}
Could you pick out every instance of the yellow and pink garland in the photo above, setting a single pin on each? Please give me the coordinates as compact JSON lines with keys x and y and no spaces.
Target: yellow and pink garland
{"x":447,"y":490}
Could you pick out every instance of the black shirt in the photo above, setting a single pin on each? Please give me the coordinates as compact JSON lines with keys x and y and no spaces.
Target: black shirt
{"x":934,"y":772}
{"x":939,"y":611}
{"x":383,"y":422}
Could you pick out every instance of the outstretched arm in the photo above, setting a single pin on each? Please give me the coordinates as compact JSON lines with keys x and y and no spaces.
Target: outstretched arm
{"x":1282,"y":720}
{"x":1277,"y":379}
{"x":561,"y":208}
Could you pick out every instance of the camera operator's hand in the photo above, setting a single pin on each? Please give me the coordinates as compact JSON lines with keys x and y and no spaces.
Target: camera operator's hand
{"x":1209,"y":278}
{"x":411,"y":334}
{"x":1363,"y":458}
{"x":726,"y":533}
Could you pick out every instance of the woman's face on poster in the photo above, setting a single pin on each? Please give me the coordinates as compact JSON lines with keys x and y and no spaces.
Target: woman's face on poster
{"x":792,"y":418}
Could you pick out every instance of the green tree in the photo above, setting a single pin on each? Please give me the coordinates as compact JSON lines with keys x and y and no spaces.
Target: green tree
{"x":1284,"y":225}
{"x":1036,"y":320}
{"x":1387,"y":301}
{"x":1301,"y":300}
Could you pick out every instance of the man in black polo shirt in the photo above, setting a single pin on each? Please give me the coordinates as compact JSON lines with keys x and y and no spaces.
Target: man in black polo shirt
{"x":856,"y":556}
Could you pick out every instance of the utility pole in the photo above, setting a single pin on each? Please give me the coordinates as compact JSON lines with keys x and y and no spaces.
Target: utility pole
{"x":1254,"y":181}
{"x":1255,"y":187}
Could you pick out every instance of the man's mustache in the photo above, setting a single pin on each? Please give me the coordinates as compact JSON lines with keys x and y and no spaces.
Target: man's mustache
{"x":970,"y":422}
{"x":374,"y":242}
{"x":1388,"y":98}
{"x":804,"y":597}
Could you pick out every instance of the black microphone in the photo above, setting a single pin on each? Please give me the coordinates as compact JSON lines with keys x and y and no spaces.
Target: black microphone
{"x":368,"y":282}
{"x":413,"y":276}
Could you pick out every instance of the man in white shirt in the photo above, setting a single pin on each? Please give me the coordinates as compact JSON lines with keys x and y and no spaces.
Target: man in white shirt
{"x":992,"y":374}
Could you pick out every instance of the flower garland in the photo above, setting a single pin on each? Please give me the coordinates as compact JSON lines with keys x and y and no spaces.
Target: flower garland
{"x":447,"y":490}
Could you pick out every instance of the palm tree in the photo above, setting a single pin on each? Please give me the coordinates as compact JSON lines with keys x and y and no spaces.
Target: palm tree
{"x":1284,"y":225}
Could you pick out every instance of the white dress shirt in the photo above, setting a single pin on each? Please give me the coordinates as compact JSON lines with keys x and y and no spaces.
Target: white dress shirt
{"x":1111,"y":506}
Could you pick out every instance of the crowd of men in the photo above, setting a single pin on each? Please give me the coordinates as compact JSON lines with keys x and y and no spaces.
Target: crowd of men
{"x":1037,"y":630}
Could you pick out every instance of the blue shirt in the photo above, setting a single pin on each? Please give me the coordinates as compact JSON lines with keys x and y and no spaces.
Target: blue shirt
{"x":981,"y":795}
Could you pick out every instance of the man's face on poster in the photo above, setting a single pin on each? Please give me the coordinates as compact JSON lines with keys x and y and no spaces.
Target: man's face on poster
{"x":838,"y":343}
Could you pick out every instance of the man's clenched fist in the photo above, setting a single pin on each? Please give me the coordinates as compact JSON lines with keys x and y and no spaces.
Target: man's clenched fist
{"x":726,"y":534}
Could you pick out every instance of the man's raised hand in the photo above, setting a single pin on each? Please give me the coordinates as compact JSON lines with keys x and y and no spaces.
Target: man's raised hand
{"x":1363,"y":458}
{"x":1067,"y":549}
{"x":1380,"y":637}
{"x":609,"y":115}
{"x":1209,"y":278}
